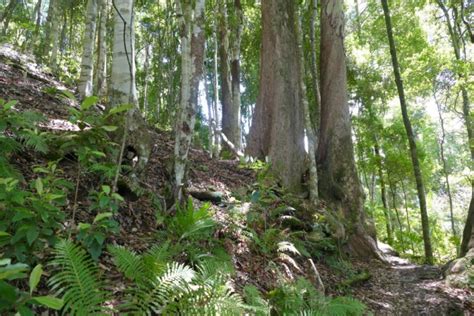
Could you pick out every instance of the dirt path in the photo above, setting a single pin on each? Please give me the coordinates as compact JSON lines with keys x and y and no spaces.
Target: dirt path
{"x":404,"y":288}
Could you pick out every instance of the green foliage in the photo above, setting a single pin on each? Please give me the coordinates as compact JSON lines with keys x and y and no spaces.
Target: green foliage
{"x":14,"y":300}
{"x":32,"y":217}
{"x":18,"y":131}
{"x":193,"y":224}
{"x":161,"y":286}
{"x":301,"y":298}
{"x":77,"y":279}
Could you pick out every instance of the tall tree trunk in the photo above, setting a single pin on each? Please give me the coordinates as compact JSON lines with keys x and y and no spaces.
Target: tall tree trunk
{"x":310,"y":132}
{"x":383,"y":194}
{"x":230,"y":114}
{"x":277,"y":129}
{"x":192,"y":61}
{"x":455,"y":36}
{"x":314,"y":67}
{"x":37,"y":19}
{"x":235,"y":72}
{"x":85,"y":84}
{"x":146,"y":67}
{"x":339,"y":183}
{"x":405,"y":199}
{"x":393,"y":190}
{"x":411,"y":138}
{"x":122,"y":82}
{"x":444,"y":163}
{"x":100,"y":85}
{"x":217,"y":139}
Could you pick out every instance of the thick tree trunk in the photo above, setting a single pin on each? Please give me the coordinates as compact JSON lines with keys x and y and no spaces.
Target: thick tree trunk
{"x":338,"y":181}
{"x":122,"y":81}
{"x":277,"y":129}
{"x":100,"y":86}
{"x":192,"y":60}
{"x":230,"y":113}
{"x":85,"y":84}
{"x":411,"y":138}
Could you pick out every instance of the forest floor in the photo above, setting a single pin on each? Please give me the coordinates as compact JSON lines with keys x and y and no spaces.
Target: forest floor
{"x":397,"y":287}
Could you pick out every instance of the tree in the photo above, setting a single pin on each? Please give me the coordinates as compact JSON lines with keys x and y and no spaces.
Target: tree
{"x":192,"y":61}
{"x":122,"y":83}
{"x":230,"y":81}
{"x":411,"y":138}
{"x":100,"y":82}
{"x":339,"y":183}
{"x":277,"y":129}
{"x":87,"y":69}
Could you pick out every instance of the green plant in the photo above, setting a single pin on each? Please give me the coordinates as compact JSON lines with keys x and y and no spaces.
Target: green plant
{"x":32,"y":217}
{"x":13,"y":299}
{"x":192,"y":223}
{"x":18,"y":131}
{"x":301,"y":298}
{"x":77,"y":279}
{"x":164,"y":287}
{"x":93,"y":236}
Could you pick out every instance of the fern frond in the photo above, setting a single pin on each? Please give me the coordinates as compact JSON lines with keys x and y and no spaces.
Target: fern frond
{"x":128,"y":262}
{"x":34,"y":140}
{"x":77,"y":279}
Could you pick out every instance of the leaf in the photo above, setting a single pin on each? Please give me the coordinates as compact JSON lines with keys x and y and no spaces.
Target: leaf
{"x":39,"y":186}
{"x":120,"y":108}
{"x":101,"y":216}
{"x":31,"y":235}
{"x":109,"y":128}
{"x":88,"y":102}
{"x":68,"y":94}
{"x":106,"y":189}
{"x":10,"y":104}
{"x":49,"y":301}
{"x":4,"y":234}
{"x":35,"y":277}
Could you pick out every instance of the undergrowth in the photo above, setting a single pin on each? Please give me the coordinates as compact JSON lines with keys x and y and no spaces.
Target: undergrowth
{"x":187,"y":271}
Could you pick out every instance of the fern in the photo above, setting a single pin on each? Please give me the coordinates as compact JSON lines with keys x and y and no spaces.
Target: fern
{"x":128,"y":262}
{"x":78,"y":281}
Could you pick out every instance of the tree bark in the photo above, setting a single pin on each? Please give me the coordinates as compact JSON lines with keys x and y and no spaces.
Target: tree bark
{"x":411,"y":138}
{"x":122,"y":81}
{"x":230,"y":113}
{"x":339,"y":183}
{"x":85,"y":84}
{"x":235,"y":73}
{"x":310,"y":132}
{"x":314,"y":68}
{"x":277,"y":129}
{"x":100,"y":85}
{"x":192,"y":50}
{"x":383,"y":194}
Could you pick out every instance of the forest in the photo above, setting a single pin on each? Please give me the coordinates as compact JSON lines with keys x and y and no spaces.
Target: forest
{"x":236,"y":157}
